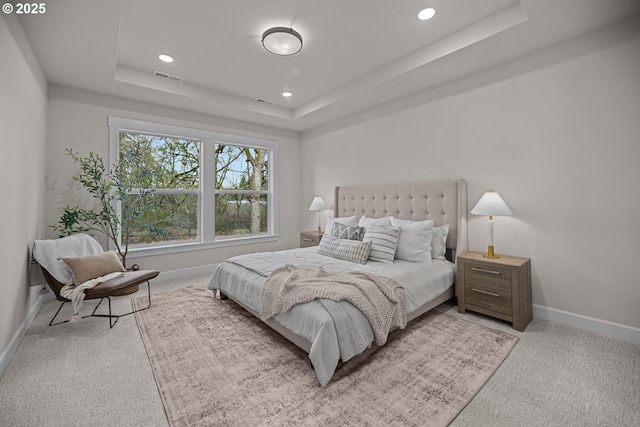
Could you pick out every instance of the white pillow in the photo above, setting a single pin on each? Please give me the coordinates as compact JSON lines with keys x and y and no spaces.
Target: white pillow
{"x":379,"y":222}
{"x":384,"y":241}
{"x":346,"y":220}
{"x":414,"y":242}
{"x":439,"y":242}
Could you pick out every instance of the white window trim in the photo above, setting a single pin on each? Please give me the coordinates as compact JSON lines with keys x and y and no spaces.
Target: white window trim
{"x":206,"y":232}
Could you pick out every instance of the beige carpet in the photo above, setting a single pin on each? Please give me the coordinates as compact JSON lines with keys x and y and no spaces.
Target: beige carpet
{"x":216,"y":364}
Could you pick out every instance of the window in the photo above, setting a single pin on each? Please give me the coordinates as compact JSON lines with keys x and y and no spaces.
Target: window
{"x":185,"y":186}
{"x":167,"y":170}
{"x":242,"y":190}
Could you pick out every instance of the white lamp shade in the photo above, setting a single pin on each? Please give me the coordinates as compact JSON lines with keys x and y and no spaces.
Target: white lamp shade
{"x":491,"y":204}
{"x":318,"y":204}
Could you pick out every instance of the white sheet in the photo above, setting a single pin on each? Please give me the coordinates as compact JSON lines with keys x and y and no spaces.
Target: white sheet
{"x":422,"y":283}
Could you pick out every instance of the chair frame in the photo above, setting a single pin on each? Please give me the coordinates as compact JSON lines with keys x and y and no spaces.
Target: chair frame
{"x":56,"y":286}
{"x":111,"y":316}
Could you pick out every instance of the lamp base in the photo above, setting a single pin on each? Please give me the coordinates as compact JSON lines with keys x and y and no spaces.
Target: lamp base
{"x":319,"y":230}
{"x":490,"y":253}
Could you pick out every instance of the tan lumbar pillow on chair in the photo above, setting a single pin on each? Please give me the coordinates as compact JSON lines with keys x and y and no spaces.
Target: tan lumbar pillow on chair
{"x":92,"y":266}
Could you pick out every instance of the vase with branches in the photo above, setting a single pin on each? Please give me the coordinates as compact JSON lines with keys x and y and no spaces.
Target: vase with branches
{"x":111,"y":189}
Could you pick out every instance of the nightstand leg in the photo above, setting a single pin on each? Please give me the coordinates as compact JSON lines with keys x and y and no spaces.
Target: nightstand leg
{"x":519,"y":327}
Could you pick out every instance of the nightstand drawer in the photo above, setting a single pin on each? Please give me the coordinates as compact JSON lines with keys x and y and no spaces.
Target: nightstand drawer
{"x":488,"y":297}
{"x":496,"y":278}
{"x":305,"y":242}
{"x":309,"y":238}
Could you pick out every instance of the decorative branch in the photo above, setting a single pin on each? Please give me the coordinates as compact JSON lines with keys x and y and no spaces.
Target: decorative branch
{"x":107,"y":188}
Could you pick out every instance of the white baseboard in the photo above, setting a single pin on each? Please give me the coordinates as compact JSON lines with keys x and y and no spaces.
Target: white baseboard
{"x":8,"y":353}
{"x":597,"y":326}
{"x":186,"y":272}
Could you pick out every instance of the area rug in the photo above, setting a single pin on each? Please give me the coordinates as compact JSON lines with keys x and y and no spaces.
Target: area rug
{"x":217,"y":365}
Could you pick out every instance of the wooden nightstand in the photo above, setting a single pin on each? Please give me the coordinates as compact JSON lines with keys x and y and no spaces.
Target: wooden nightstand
{"x":310,"y":238}
{"x":498,"y":287}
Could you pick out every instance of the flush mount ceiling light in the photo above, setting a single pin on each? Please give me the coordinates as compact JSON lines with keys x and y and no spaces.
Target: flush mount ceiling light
{"x":427,"y":13}
{"x":287,"y":94}
{"x":282,"y":41}
{"x":165,"y":58}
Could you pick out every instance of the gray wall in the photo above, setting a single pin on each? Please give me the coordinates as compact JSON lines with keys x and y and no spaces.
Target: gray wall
{"x":23,"y":122}
{"x":558,"y":138}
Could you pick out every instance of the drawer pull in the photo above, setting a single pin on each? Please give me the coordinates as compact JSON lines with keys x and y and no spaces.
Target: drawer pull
{"x":493,"y":294}
{"x":482,"y":270}
{"x":306,"y":239}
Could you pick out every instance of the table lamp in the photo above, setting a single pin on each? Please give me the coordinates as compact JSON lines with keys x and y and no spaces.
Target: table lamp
{"x":491,"y":204}
{"x":318,"y":204}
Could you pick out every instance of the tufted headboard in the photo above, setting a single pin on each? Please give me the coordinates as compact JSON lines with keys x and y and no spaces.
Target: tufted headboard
{"x":443,"y":201}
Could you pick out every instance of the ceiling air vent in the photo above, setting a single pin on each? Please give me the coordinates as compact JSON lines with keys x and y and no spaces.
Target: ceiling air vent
{"x":167,"y":76}
{"x":265,"y":101}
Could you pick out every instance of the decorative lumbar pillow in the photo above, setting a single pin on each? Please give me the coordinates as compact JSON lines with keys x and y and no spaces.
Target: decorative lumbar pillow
{"x":439,"y":242}
{"x":347,"y":220}
{"x":349,"y":232}
{"x":380,"y":222}
{"x":348,"y":250}
{"x":92,"y":266}
{"x":414,"y":242}
{"x":384,"y":241}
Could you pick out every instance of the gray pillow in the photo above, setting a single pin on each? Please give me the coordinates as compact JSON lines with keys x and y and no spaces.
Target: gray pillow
{"x":349,"y":232}
{"x":348,"y":250}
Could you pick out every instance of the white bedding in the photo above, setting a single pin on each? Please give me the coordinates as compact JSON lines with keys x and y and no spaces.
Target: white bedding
{"x":243,"y":277}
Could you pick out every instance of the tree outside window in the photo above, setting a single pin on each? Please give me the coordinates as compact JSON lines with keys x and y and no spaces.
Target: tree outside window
{"x":241,"y":190}
{"x":205,"y":186}
{"x":171,"y":168}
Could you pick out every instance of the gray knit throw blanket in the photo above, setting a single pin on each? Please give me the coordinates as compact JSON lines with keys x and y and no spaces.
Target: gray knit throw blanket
{"x":380,"y":299}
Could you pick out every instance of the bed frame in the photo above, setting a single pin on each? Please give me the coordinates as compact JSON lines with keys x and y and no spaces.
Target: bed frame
{"x":443,"y":201}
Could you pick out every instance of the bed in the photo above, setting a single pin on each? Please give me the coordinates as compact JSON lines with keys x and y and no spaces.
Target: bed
{"x":319,"y":326}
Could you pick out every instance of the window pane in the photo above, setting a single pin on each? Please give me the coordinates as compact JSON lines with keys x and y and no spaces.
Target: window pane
{"x":150,"y":161}
{"x":163,"y":218}
{"x":167,"y":172}
{"x":240,"y":168}
{"x":241,"y":214}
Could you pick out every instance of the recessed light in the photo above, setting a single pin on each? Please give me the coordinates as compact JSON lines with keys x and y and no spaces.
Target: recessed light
{"x":287,"y":94}
{"x":165,"y":58}
{"x":427,"y":13}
